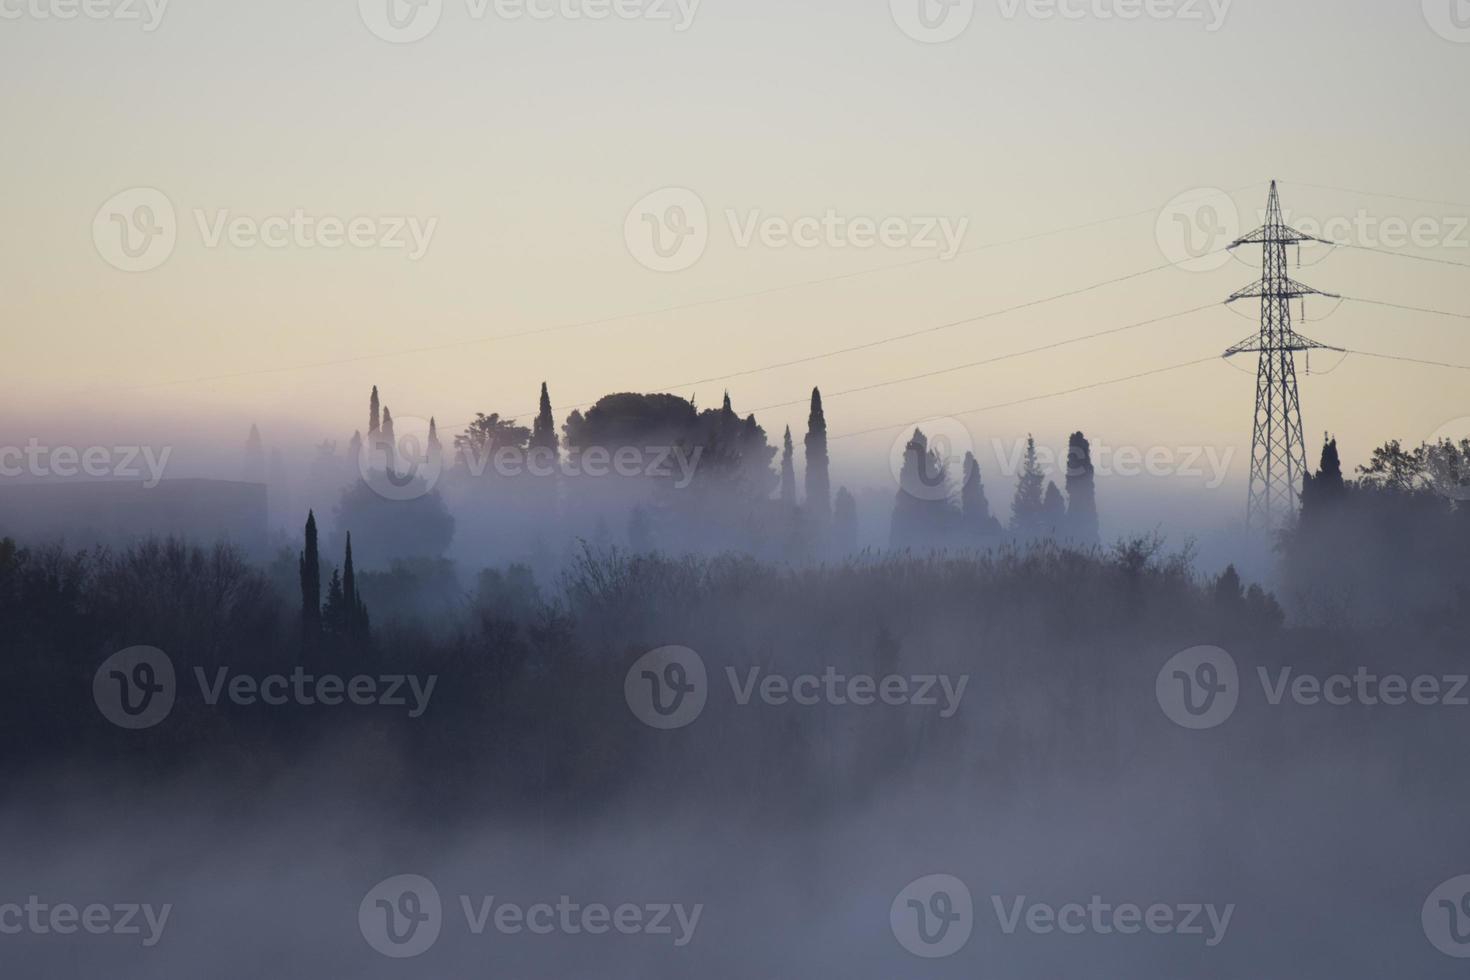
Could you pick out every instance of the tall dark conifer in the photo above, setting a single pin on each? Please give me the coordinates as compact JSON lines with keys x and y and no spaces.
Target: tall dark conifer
{"x":543,"y":431}
{"x":311,"y":586}
{"x":788,"y":472}
{"x":1026,"y":506}
{"x":349,"y":576}
{"x":974,"y":506}
{"x":375,"y":420}
{"x":435,"y":455}
{"x":1321,"y":491}
{"x":1081,"y":492}
{"x":388,"y":441}
{"x":355,"y":609}
{"x":818,"y":479}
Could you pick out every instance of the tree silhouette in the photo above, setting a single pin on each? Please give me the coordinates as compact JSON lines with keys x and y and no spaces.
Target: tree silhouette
{"x":487,"y":434}
{"x":1321,"y":492}
{"x":974,"y":507}
{"x":1081,"y":521}
{"x":389,"y":441}
{"x":1026,"y":506}
{"x":1229,"y":595}
{"x":311,"y":586}
{"x":788,"y":472}
{"x":374,"y":416}
{"x":1053,"y":510}
{"x":923,"y":515}
{"x":435,"y":454}
{"x":345,"y":616}
{"x":818,"y":479}
{"x":543,"y":431}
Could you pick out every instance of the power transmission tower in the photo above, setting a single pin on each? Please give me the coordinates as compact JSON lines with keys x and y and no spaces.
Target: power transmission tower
{"x":1278,"y":454}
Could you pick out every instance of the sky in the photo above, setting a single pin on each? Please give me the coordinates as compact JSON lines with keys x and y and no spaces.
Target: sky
{"x":530,"y":154}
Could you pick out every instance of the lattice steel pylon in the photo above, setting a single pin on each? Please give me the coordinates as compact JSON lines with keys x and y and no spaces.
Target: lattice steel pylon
{"x":1278,"y":453}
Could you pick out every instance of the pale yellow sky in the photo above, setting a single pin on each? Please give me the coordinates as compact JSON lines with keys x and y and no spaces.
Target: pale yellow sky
{"x":526,"y":143}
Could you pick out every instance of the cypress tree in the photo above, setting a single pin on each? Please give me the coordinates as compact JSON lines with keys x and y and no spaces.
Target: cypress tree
{"x":388,"y":440}
{"x":543,"y":431}
{"x":818,"y":480}
{"x":311,"y":586}
{"x":1326,"y":487}
{"x":336,"y":620}
{"x":788,"y":472}
{"x":349,"y":577}
{"x":1081,"y":491}
{"x":355,"y":609}
{"x":974,"y":507}
{"x":374,"y":418}
{"x":1329,"y":472}
{"x":435,"y":456}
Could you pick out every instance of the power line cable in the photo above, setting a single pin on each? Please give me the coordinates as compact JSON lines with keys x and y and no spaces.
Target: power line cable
{"x":641,"y":314}
{"x":993,"y":360}
{"x":1036,"y":398}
